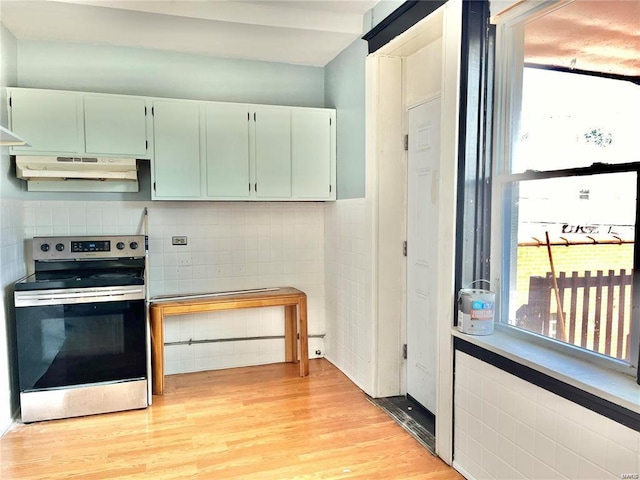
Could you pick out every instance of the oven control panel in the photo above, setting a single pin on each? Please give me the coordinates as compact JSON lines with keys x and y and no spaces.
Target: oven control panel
{"x":91,"y":246}
{"x":74,"y":248}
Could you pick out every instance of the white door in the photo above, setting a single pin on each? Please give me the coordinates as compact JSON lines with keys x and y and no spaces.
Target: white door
{"x":422,"y":237}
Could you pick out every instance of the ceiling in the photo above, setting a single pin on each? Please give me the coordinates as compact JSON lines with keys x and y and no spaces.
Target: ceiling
{"x":595,"y":36}
{"x":301,"y":32}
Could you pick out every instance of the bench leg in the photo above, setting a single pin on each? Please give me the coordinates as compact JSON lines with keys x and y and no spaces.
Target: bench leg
{"x":290,"y":334}
{"x":304,"y":341}
{"x":157,"y":352}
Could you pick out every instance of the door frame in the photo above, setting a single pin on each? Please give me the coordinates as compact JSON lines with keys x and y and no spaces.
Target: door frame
{"x":386,"y":207}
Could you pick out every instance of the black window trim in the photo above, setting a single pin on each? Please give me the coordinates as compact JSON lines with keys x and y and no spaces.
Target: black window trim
{"x":475,"y":199}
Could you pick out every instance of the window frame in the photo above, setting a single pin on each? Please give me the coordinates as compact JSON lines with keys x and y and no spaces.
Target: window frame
{"x":509,"y":68}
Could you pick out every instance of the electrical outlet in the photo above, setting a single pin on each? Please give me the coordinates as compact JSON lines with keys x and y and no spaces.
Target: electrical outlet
{"x":179,"y":240}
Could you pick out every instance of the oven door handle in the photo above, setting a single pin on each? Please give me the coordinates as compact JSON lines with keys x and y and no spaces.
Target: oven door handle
{"x":67,"y":296}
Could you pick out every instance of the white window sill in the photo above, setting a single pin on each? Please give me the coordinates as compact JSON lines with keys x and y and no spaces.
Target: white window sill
{"x":616,"y":387}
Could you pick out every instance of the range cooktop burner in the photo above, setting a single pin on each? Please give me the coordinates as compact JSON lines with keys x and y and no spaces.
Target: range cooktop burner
{"x":57,"y":278}
{"x":80,"y":279}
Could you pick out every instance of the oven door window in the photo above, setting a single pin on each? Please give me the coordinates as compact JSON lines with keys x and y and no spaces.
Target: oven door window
{"x":72,"y":345}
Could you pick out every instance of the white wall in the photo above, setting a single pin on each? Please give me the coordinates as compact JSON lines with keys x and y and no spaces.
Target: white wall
{"x":230,"y":246}
{"x":506,"y":427}
{"x":11,"y":268}
{"x":11,"y":246}
{"x":348,"y":275}
{"x":422,"y":74}
{"x":345,"y":91}
{"x":166,"y":74}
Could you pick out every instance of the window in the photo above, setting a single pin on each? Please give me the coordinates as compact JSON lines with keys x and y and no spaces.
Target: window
{"x":565,"y":185}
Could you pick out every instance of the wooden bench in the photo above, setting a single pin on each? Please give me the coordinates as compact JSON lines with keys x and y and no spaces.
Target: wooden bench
{"x":293,"y":300}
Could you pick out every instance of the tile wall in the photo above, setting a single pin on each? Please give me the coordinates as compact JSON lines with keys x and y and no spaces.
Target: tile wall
{"x":230,"y":245}
{"x":348,"y":279}
{"x":12,"y":267}
{"x":507,"y":428}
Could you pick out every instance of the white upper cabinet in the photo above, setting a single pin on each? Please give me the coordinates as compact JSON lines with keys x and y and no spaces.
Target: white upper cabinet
{"x":272,"y":152}
{"x":79,"y":124}
{"x":227,"y":158}
{"x":176,"y":164}
{"x":199,"y":150}
{"x":115,"y":125}
{"x":313,"y":153}
{"x":49,"y":121}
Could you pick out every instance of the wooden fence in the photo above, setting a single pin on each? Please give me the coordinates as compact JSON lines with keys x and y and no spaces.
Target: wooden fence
{"x":596,"y":310}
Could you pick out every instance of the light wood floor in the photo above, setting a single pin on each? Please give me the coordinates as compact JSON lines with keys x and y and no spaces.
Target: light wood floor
{"x":261,"y":422}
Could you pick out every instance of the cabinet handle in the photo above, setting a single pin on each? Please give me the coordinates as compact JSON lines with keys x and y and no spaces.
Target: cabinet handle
{"x":254,"y":116}
{"x":255,"y":185}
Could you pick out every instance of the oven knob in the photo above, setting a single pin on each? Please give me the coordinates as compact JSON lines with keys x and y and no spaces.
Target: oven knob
{"x":60,"y":247}
{"x":133,"y":245}
{"x":44,"y":247}
{"x":120,"y":245}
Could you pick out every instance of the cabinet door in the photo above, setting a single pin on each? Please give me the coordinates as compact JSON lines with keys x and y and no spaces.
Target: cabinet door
{"x":311,"y":155}
{"x":47,"y":120}
{"x":115,"y":125}
{"x":176,"y":164}
{"x":227,"y":150}
{"x":273,"y":152}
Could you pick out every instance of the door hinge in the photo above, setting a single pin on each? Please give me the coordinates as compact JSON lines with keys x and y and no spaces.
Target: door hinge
{"x":404,"y":248}
{"x":404,"y":351}
{"x":406,"y":143}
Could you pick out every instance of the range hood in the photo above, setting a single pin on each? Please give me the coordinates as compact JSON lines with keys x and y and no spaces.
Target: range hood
{"x":78,"y":174}
{"x":7,"y":137}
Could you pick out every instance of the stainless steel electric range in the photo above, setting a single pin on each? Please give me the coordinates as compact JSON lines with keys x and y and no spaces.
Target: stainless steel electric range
{"x":82,"y":336}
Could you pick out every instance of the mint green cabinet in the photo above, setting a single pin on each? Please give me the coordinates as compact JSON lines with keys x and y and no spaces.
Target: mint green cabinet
{"x":78,"y":124}
{"x":198,"y":150}
{"x":115,"y":125}
{"x":227,"y":151}
{"x":48,"y":120}
{"x":313,"y":153}
{"x":272,"y":152}
{"x":176,"y":164}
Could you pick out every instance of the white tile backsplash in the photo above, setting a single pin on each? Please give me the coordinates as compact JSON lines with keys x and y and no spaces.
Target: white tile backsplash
{"x":538,"y":434}
{"x":12,"y":268}
{"x":349,"y":331}
{"x":230,"y":246}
